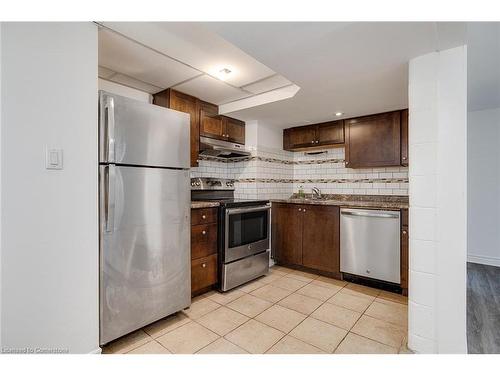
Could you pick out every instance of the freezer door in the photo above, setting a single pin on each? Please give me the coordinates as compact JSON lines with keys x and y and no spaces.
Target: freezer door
{"x":145,"y":254}
{"x":138,"y":133}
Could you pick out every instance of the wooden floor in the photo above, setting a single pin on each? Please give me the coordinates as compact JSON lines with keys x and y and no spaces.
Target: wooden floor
{"x":483,"y":309}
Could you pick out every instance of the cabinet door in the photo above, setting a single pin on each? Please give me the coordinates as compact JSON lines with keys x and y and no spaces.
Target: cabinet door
{"x":373,"y":141}
{"x":203,"y":273}
{"x":211,"y":125}
{"x":330,"y":133}
{"x":304,"y":136}
{"x":286,"y":228}
{"x":234,"y":130}
{"x":321,"y":239}
{"x":404,"y":137}
{"x":188,"y":104}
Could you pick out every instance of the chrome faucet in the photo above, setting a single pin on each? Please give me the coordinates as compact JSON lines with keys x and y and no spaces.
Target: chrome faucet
{"x":316,"y":193}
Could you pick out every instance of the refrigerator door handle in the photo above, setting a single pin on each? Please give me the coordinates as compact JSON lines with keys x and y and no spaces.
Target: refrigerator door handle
{"x":110,"y":122}
{"x":110,"y":201}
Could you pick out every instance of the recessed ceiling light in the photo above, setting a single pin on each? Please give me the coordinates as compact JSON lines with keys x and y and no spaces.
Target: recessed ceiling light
{"x":339,"y":113}
{"x":223,"y":73}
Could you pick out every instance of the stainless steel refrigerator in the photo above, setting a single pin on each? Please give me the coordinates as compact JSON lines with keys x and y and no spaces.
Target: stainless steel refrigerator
{"x":144,"y":209}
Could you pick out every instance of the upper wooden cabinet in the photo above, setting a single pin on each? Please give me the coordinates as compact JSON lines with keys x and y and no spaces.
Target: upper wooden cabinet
{"x":327,"y":134}
{"x":404,"y":138}
{"x":299,"y":236}
{"x":188,"y":104}
{"x":373,"y":141}
{"x":205,"y":120}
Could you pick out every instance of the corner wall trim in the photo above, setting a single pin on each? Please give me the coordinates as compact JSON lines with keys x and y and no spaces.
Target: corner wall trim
{"x":489,"y":261}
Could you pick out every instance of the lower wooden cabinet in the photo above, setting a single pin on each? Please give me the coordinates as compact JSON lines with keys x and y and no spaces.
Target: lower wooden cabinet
{"x":204,"y":231}
{"x":203,"y":273}
{"x":404,"y":251}
{"x":307,"y":235}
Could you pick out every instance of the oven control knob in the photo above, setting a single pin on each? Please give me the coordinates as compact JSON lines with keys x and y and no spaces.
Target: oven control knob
{"x":192,"y":183}
{"x":197,"y":183}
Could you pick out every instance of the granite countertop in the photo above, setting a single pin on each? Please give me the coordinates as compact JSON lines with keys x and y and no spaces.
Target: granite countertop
{"x":204,"y":204}
{"x":395,"y":202}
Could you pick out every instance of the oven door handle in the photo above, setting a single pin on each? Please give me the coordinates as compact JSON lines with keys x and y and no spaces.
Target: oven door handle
{"x":231,"y":211}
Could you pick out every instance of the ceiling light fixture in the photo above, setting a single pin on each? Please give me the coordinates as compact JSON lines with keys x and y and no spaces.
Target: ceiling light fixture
{"x":339,"y":114}
{"x":223,"y":73}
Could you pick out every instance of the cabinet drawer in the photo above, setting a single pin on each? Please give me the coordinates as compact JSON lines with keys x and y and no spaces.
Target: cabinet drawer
{"x":203,"y":272}
{"x":203,"y":216}
{"x":203,"y":240}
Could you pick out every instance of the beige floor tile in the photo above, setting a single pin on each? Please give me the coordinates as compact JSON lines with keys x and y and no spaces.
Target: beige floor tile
{"x":303,"y":276}
{"x":271,"y":293}
{"x":291,"y":345}
{"x":388,"y":296}
{"x":282,"y":269}
{"x":298,"y":302}
{"x":187,"y":339}
{"x":167,"y":324}
{"x":151,"y":347}
{"x":320,"y":334}
{"x":281,"y":318}
{"x":391,"y":312}
{"x":226,"y":297}
{"x":318,"y":292}
{"x":322,"y":280}
{"x":359,"y":302}
{"x":361,"y":289}
{"x":254,"y":337}
{"x":269,"y":278}
{"x":222,"y":346}
{"x":289,"y":283}
{"x":249,"y":305}
{"x":200,"y":307}
{"x":336,"y":315}
{"x":222,"y":320}
{"x":251,"y":286}
{"x":127,"y":343}
{"x":355,"y":344}
{"x":378,"y":330}
{"x":276,"y":272}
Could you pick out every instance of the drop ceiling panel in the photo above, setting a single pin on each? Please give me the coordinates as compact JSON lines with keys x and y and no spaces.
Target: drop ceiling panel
{"x":197,"y":46}
{"x":211,"y":90}
{"x":124,"y":56}
{"x":136,"y":84}
{"x":268,"y":84}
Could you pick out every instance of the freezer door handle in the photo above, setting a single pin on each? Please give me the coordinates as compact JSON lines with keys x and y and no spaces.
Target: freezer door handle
{"x":110,"y":126}
{"x":369,"y":214}
{"x":109,"y":210}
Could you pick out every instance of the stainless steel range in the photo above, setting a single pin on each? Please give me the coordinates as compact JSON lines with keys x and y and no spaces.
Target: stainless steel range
{"x":244,"y":232}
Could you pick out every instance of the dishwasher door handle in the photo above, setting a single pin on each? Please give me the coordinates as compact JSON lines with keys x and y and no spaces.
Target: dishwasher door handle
{"x":369,"y":214}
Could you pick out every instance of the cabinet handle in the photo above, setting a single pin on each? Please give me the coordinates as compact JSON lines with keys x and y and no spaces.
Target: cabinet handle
{"x":300,"y":209}
{"x":203,"y":232}
{"x":203,"y":217}
{"x":304,"y":210}
{"x":404,"y":157}
{"x":317,"y":141}
{"x":312,"y":141}
{"x":204,"y":265}
{"x":404,"y":232}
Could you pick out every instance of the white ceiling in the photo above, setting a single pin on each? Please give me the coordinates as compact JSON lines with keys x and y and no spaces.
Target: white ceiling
{"x":356,"y":68}
{"x":483,"y":65}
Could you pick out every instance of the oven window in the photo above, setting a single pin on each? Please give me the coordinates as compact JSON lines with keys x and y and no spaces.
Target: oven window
{"x":247,"y":227}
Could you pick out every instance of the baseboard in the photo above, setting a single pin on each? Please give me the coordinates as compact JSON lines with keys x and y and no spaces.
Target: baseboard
{"x":96,"y":351}
{"x":489,"y":261}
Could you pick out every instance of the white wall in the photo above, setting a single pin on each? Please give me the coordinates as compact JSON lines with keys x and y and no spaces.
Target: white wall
{"x":263,"y":136}
{"x":49,"y":243}
{"x":122,"y":90}
{"x":438,"y":215}
{"x":483,"y":188}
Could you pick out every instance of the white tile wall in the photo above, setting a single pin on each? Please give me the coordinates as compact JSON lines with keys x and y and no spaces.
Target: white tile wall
{"x":260,"y":169}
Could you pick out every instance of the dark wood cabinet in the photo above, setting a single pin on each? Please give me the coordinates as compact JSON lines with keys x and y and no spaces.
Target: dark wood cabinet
{"x":211,"y":125}
{"x":327,"y":134}
{"x":321,"y":238}
{"x":222,"y":127}
{"x":204,"y":232}
{"x":404,"y":138}
{"x":234,"y":130}
{"x":307,"y":235}
{"x":184,"y":103}
{"x":373,"y":141}
{"x":404,"y":251}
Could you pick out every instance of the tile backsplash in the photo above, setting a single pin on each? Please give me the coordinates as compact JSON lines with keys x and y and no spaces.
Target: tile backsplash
{"x":276,"y":174}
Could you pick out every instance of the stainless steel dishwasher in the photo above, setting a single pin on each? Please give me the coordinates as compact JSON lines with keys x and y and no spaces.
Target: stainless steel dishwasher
{"x":370,"y":243}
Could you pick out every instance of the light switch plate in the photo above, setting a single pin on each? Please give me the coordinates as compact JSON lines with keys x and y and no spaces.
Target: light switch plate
{"x":53,"y":158}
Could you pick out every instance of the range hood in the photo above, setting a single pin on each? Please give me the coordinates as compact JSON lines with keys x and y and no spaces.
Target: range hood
{"x":222,"y":149}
